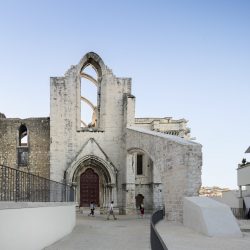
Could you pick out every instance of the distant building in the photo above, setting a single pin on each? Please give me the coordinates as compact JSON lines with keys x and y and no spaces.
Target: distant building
{"x":238,"y":200}
{"x":212,"y":191}
{"x":243,"y":182}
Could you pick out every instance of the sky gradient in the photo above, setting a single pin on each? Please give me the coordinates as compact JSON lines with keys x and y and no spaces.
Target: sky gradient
{"x":187,"y":59}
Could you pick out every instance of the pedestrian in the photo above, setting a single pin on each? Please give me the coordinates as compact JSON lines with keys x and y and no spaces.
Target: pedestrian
{"x":142,"y":210}
{"x":111,"y":210}
{"x":92,"y":208}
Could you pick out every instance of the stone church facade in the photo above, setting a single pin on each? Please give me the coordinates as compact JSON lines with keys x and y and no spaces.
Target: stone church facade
{"x":105,"y":153}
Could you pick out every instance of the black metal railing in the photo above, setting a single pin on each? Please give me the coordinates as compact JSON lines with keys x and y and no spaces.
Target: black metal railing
{"x":17,"y":185}
{"x":239,"y":213}
{"x":155,"y":239}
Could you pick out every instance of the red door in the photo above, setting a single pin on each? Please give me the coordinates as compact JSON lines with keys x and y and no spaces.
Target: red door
{"x":89,"y":188}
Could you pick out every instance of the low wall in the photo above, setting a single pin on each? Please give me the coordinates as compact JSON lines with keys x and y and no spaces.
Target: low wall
{"x":210,"y":217}
{"x":33,"y":226}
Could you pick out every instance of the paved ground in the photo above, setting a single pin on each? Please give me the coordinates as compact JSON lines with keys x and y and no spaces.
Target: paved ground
{"x":131,"y":232}
{"x":178,"y":237}
{"x":94,"y":233}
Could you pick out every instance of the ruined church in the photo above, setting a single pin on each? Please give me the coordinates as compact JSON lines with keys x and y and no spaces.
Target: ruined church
{"x":93,"y":141}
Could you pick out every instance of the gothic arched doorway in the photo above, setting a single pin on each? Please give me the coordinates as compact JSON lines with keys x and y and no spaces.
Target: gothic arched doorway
{"x":89,"y":188}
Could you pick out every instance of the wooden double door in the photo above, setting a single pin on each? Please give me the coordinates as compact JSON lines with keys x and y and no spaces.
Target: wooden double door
{"x":89,"y":188}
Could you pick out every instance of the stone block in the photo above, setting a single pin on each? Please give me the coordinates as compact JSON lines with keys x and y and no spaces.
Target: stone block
{"x":210,"y":217}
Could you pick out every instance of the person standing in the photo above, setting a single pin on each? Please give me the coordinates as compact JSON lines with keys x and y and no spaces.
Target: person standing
{"x":111,"y":210}
{"x":92,"y":209}
{"x":142,"y":210}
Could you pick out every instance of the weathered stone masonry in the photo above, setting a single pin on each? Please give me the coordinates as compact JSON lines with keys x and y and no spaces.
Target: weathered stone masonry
{"x":38,"y":144}
{"x":111,"y":155}
{"x":177,"y":165}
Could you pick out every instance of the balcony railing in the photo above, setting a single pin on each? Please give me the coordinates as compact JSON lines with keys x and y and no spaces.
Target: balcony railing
{"x":239,"y":213}
{"x":19,"y":186}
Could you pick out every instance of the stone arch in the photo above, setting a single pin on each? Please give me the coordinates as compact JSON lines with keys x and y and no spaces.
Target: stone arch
{"x":23,"y":135}
{"x":136,"y":149}
{"x":139,"y":200}
{"x":148,"y":182}
{"x":156,"y":169}
{"x":107,"y":168}
{"x":22,"y":145}
{"x":90,"y":89}
{"x":104,"y":169}
{"x":95,"y":60}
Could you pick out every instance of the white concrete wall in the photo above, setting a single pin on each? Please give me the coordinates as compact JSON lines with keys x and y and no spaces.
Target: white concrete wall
{"x":27,"y":227}
{"x":230,"y":198}
{"x":243,"y":175}
{"x":210,"y":217}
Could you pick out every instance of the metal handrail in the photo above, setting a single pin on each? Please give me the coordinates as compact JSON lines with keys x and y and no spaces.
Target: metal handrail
{"x":239,"y":213}
{"x":17,"y":185}
{"x":155,"y":239}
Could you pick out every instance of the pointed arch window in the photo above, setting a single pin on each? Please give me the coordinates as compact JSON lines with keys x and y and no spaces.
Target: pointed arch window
{"x":23,"y":136}
{"x":89,"y":96}
{"x":139,"y":164}
{"x":22,"y":150}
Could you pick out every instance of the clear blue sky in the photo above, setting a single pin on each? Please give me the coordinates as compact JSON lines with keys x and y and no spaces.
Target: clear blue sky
{"x":187,"y":59}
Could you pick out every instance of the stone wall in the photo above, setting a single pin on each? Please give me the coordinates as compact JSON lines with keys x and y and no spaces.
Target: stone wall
{"x":68,"y":138}
{"x":38,"y":144}
{"x":178,"y":163}
{"x":61,"y":148}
